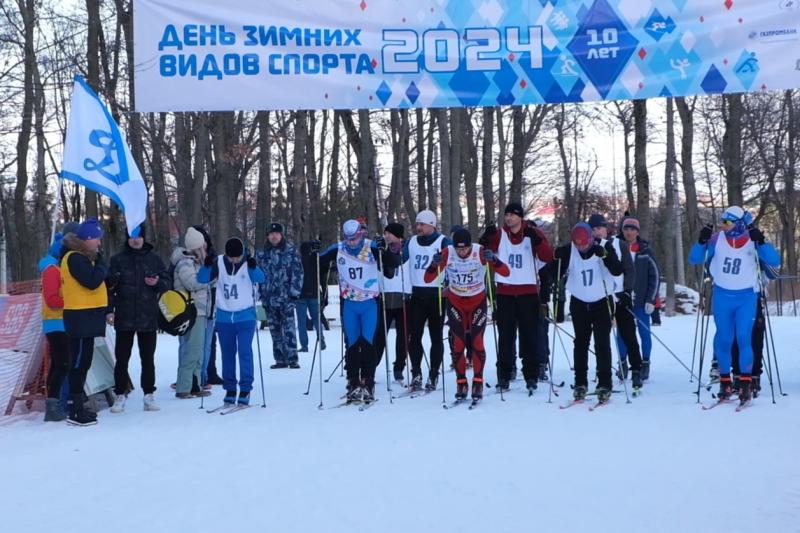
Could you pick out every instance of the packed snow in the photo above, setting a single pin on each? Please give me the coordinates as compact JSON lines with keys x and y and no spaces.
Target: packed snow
{"x":660,"y":463}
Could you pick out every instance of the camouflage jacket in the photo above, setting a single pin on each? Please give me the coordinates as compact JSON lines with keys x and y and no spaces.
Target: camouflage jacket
{"x":284,"y":272}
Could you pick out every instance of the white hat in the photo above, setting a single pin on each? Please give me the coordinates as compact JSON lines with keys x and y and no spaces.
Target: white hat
{"x":426,"y":217}
{"x":350,"y":229}
{"x":194,"y":239}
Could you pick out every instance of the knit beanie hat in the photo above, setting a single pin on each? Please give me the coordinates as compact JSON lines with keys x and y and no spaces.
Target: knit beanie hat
{"x":515,"y":208}
{"x":581,"y":235}
{"x":631,"y":222}
{"x":462,"y":238}
{"x":193,"y":240}
{"x":90,"y":229}
{"x":234,"y":247}
{"x":395,"y":229}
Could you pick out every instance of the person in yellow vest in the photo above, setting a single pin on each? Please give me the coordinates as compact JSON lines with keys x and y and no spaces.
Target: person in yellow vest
{"x":83,"y":274}
{"x":53,"y":325}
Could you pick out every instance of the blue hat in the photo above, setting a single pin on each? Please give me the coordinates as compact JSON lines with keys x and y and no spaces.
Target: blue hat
{"x":90,"y":229}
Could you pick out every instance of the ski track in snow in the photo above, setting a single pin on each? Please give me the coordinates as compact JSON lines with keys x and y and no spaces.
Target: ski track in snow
{"x":660,"y":462}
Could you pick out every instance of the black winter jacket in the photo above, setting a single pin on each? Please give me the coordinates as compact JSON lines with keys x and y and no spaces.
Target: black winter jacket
{"x":133,"y":302}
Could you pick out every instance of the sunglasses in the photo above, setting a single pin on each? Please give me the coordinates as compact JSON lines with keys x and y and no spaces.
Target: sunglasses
{"x":728,"y":223}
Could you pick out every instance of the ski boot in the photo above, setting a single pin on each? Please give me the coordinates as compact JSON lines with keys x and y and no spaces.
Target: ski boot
{"x":645,"y":369}
{"x":745,"y":391}
{"x":354,"y":391}
{"x":713,"y":374}
{"x":622,"y":374}
{"x":416,"y":382}
{"x":603,"y":394}
{"x":244,"y":398}
{"x":543,"y":372}
{"x":530,"y":384}
{"x":433,"y":379}
{"x":636,"y":379}
{"x":230,"y":397}
{"x":755,"y":386}
{"x":462,"y":389}
{"x":368,"y":391}
{"x":725,"y":388}
{"x":477,"y":389}
{"x":503,"y":384}
{"x":579,"y":393}
{"x":737,"y":383}
{"x":513,"y":374}
{"x":398,"y":374}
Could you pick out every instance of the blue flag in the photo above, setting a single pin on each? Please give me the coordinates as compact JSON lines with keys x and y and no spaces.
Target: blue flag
{"x":97,"y":156}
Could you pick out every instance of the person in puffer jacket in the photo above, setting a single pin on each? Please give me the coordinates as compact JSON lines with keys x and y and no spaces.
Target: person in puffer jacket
{"x":187,"y":262}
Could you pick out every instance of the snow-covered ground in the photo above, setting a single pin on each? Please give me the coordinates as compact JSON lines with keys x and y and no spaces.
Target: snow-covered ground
{"x":657,"y":464}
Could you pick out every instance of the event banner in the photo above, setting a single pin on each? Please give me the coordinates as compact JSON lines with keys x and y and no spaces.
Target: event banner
{"x":207,"y":55}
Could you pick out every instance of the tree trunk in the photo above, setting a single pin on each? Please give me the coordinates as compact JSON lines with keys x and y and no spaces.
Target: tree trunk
{"x":93,"y":79}
{"x":433,"y":199}
{"x":640,"y":166}
{"x":668,"y":236}
{"x":405,"y":164}
{"x":457,"y":127}
{"x":444,"y":159}
{"x":421,"y":174}
{"x":160,"y":239}
{"x":361,"y":141}
{"x":470,"y":165}
{"x":264,"y":190}
{"x":789,"y":222}
{"x":486,"y":165}
{"x":223,"y":178}
{"x":518,"y":151}
{"x":733,"y":111}
{"x":298,"y":173}
{"x":501,"y":166}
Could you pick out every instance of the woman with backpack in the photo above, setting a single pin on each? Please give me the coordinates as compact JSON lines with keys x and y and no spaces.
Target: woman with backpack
{"x":187,"y":262}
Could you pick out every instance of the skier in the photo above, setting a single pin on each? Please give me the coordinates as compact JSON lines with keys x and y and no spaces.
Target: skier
{"x":627,"y":343}
{"x":358,"y":260}
{"x":522,"y":246}
{"x":396,"y":291}
{"x":236,"y":314}
{"x":136,"y":277}
{"x":645,"y":288}
{"x":425,"y":299}
{"x":590,"y":269}
{"x":53,"y":326}
{"x":734,"y":255}
{"x":284,"y":271}
{"x":465,"y":267}
{"x":83,"y":275}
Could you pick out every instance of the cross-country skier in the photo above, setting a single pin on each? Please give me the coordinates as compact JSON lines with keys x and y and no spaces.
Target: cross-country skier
{"x":627,"y":343}
{"x":358,"y":261}
{"x":425,"y":305}
{"x":236,"y":273}
{"x":590,"y":269}
{"x":520,"y":245}
{"x":734,"y":255}
{"x":465,"y":267}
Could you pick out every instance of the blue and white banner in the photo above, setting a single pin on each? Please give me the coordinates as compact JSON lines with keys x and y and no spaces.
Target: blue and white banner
{"x":97,"y":156}
{"x":316,"y":54}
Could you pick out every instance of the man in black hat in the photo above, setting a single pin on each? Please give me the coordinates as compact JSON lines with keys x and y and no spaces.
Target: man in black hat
{"x":136,"y":277}
{"x":525,"y":249}
{"x":281,"y":262}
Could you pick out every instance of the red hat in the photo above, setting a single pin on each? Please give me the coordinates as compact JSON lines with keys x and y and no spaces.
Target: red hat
{"x":581,"y":235}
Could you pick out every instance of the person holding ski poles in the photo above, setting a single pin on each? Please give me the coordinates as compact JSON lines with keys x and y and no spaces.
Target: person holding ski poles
{"x":358,"y":261}
{"x":236,"y":273}
{"x":465,"y":265}
{"x":733,"y":255}
{"x":590,"y":268}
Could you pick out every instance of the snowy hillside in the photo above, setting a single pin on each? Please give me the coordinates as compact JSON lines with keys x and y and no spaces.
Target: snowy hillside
{"x":659,"y":464}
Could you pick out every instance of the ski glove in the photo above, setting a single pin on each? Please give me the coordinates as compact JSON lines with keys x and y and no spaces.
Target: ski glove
{"x":705,"y":234}
{"x":756,"y":236}
{"x":316,"y":246}
{"x":437,"y":258}
{"x":649,"y":308}
{"x":599,"y":251}
{"x":624,"y":300}
{"x":488,"y":233}
{"x":488,"y":255}
{"x":380,"y":243}
{"x":251,"y":263}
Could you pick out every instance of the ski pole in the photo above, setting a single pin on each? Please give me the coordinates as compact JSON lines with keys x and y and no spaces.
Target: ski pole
{"x":319,"y":332}
{"x":385,"y":328}
{"x":614,"y":330}
{"x":494,"y":323}
{"x":260,"y":367}
{"x":697,"y":324}
{"x":555,"y":333}
{"x":703,"y":323}
{"x":771,"y":337}
{"x":768,"y":364}
{"x":441,"y":321}
{"x":656,"y":337}
{"x":405,"y":322}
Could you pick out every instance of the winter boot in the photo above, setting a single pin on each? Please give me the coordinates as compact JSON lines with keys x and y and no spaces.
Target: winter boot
{"x":530,"y":384}
{"x":119,"y":404}
{"x":150,"y":403}
{"x":603,"y":394}
{"x":230,"y":397}
{"x":433,"y":379}
{"x":645,"y":369}
{"x":462,"y":389}
{"x":713,"y":374}
{"x":53,"y":411}
{"x":416,"y":382}
{"x":725,"y":387}
{"x":543,"y":372}
{"x":579,"y":393}
{"x":78,"y":415}
{"x":244,"y":398}
{"x":622,"y":374}
{"x":398,"y":374}
{"x":294,"y":365}
{"x":636,"y":379}
{"x":745,"y":391}
{"x":278,"y":365}
{"x":477,"y":389}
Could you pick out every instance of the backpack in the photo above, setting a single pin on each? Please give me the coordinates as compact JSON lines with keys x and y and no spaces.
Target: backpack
{"x":177,"y":312}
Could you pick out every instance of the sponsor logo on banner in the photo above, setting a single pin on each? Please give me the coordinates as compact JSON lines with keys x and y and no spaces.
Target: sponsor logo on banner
{"x":776,"y":35}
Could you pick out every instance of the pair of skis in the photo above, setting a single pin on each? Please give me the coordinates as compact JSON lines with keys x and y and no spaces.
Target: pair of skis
{"x":362,"y":406}
{"x":227,"y":409}
{"x":463,"y":401}
{"x":592,"y":407}
{"x":740,"y":407}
